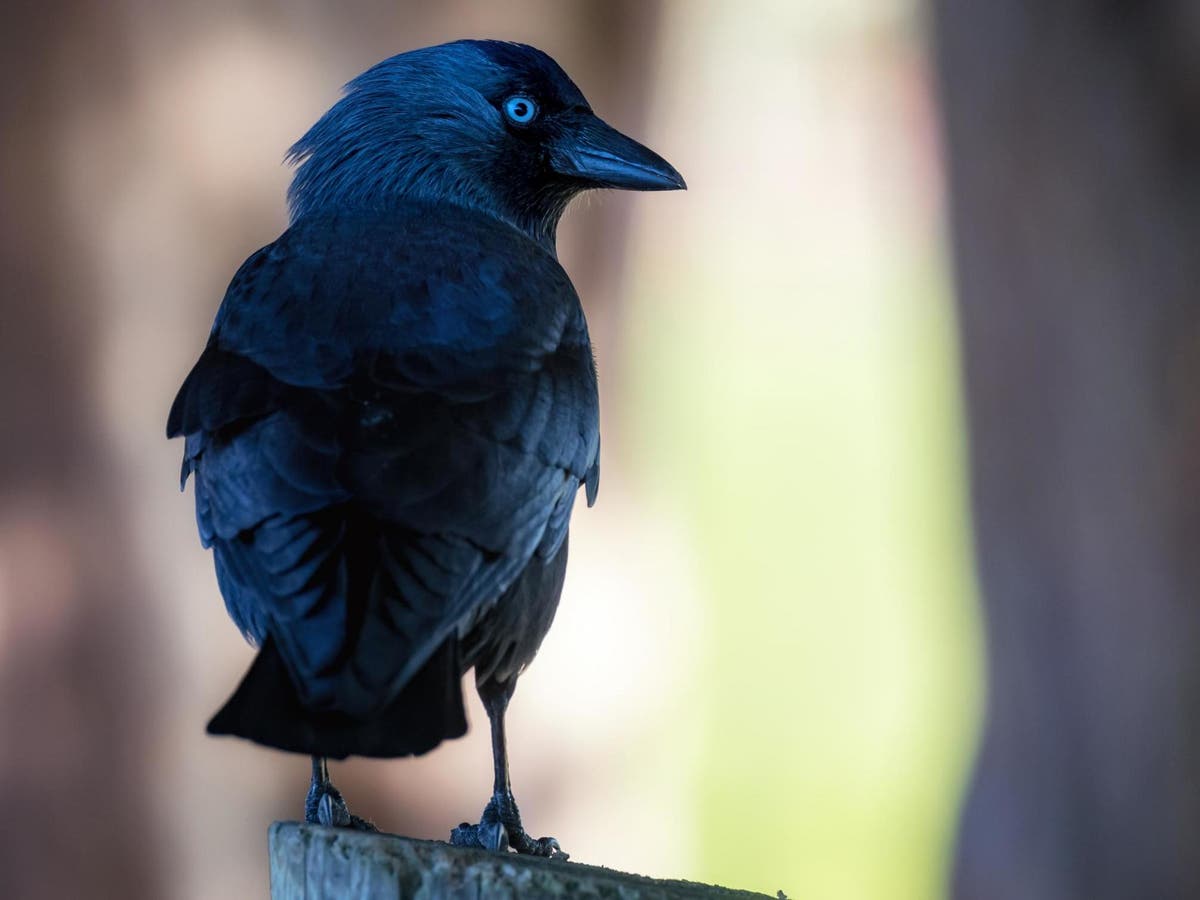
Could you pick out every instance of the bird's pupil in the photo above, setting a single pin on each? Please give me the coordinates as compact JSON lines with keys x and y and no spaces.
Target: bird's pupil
{"x":520,"y":109}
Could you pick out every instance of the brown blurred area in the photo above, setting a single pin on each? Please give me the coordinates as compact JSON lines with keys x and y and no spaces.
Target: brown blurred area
{"x":76,"y":630}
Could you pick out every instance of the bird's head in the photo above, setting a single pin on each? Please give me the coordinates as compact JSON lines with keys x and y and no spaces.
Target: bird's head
{"x":495,"y":126}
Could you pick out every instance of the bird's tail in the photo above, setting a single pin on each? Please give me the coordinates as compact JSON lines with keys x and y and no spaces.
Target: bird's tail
{"x":266,"y":709}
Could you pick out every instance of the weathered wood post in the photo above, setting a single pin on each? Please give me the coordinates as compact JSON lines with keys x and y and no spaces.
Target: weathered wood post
{"x":311,"y":862}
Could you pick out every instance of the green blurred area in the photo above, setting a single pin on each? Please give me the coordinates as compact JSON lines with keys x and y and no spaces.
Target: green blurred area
{"x":820,"y":464}
{"x":791,"y":375}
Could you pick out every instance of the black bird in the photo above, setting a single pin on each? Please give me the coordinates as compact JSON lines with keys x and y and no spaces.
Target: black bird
{"x":395,"y":408}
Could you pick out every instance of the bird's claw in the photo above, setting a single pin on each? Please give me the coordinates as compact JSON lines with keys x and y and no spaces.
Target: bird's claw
{"x":329,"y":809}
{"x":546,"y":847}
{"x":332,"y":811}
{"x":488,"y":835}
{"x":500,"y":830}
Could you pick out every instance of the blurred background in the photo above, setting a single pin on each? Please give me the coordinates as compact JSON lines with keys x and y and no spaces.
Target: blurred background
{"x":911,"y":231}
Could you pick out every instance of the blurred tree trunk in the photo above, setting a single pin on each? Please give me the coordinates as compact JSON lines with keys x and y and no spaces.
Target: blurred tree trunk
{"x":1073,"y":140}
{"x":74,"y":699}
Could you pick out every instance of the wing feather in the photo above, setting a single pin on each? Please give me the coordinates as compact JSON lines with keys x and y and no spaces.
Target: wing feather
{"x":390,"y":419}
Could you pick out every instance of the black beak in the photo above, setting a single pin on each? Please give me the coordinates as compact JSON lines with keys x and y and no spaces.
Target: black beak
{"x":596,"y":153}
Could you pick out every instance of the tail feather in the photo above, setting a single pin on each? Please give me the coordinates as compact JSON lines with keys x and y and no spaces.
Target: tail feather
{"x":266,"y":709}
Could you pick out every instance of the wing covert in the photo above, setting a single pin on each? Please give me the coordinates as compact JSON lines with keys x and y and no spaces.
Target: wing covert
{"x":384,"y":433}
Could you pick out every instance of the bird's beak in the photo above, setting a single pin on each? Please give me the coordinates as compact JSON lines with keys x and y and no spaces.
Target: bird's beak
{"x":596,"y":153}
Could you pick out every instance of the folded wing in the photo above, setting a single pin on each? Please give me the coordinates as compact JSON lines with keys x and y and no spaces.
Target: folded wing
{"x":392,"y":416}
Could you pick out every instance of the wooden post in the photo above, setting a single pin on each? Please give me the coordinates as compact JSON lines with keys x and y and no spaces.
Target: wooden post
{"x":310,"y":862}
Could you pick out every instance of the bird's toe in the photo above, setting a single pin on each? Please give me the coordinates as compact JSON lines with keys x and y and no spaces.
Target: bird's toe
{"x":500,"y":830}
{"x":546,"y":847}
{"x":490,"y":835}
{"x":332,"y":811}
{"x":465,"y":835}
{"x":493,"y":836}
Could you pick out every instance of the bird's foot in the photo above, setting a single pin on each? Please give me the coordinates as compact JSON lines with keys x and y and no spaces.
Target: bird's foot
{"x":500,"y":829}
{"x":324,"y":806}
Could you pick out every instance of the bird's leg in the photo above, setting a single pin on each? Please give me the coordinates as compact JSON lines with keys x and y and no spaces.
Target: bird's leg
{"x":500,"y":826}
{"x":324,"y":804}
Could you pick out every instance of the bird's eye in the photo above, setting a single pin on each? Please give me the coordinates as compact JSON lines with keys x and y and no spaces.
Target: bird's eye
{"x":520,"y":109}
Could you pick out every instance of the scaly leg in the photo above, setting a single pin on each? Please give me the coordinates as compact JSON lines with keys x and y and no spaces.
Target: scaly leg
{"x":500,"y":826}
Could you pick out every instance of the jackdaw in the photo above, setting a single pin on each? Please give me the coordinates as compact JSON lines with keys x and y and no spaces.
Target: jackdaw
{"x":395,"y":408}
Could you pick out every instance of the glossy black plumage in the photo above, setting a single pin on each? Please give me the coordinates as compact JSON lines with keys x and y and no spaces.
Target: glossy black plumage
{"x":384,"y":434}
{"x":396,"y":407}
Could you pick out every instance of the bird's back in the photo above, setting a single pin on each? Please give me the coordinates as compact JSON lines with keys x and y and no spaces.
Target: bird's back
{"x":387,"y":428}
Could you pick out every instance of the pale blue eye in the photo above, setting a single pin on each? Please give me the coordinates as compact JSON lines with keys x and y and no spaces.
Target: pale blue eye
{"x":520,"y":109}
